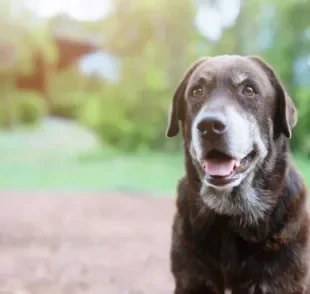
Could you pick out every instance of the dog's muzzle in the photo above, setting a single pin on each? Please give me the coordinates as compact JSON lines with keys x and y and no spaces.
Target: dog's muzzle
{"x":225,"y":151}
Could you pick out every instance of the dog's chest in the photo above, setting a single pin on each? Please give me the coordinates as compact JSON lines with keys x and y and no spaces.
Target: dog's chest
{"x":226,"y":251}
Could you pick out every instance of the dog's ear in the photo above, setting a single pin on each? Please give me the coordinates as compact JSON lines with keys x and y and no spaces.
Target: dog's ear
{"x":177,"y":107}
{"x":286,"y":113}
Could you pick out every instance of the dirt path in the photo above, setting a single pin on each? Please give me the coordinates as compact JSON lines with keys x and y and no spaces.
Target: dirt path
{"x":105,"y":244}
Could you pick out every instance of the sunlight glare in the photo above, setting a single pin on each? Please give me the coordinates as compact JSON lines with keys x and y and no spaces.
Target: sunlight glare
{"x":83,"y":10}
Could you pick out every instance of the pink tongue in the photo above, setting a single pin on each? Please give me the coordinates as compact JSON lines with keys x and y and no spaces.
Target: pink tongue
{"x":221,"y":168}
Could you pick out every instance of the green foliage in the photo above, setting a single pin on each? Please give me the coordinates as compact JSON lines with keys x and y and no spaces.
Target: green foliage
{"x":26,"y":107}
{"x":301,"y":139}
{"x":67,"y":104}
{"x":133,"y":114}
{"x":66,"y":93}
{"x":6,"y":115}
{"x":31,"y":107}
{"x":156,"y":41}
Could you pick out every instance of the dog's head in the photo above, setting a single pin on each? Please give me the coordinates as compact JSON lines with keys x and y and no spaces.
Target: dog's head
{"x":232,"y":109}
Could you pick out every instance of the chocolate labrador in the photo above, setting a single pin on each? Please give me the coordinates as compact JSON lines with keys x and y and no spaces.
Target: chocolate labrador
{"x":242,"y":224}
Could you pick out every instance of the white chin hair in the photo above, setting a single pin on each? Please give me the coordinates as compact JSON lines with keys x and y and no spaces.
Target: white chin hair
{"x":248,"y":204}
{"x":227,"y":187}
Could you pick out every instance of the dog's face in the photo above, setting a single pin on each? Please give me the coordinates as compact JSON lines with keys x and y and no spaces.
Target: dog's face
{"x":232,"y":110}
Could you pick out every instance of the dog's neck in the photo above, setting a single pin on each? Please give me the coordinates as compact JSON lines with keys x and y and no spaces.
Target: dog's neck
{"x":249,"y":205}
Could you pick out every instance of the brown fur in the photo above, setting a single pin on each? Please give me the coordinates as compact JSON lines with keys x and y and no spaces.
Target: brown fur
{"x":211,"y":252}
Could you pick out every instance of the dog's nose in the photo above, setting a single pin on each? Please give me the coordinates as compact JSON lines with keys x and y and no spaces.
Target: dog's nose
{"x":212,"y":124}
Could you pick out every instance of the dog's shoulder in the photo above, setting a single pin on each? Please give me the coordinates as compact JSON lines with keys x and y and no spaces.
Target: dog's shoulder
{"x":182,"y":189}
{"x":186,"y":207}
{"x":291,"y":212}
{"x":182,"y":195}
{"x":181,"y":218}
{"x":193,"y":220}
{"x":294,"y":184}
{"x":288,"y":248}
{"x":294,"y":196}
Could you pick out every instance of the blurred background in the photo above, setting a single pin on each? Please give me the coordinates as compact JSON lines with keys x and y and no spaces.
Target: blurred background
{"x":86,"y":84}
{"x":85,"y":90}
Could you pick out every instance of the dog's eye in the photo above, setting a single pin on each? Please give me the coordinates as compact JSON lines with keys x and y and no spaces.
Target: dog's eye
{"x":197,"y":91}
{"x":249,"y":91}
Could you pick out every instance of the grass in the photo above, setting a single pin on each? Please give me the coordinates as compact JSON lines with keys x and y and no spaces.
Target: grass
{"x":26,"y":166}
{"x":155,"y":172}
{"x":143,"y":173}
{"x":95,"y":171}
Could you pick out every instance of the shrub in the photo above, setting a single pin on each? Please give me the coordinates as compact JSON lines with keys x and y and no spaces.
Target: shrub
{"x":30,"y":107}
{"x":301,"y":133}
{"x":128,"y":118}
{"x":8,"y":115}
{"x":23,"y":107}
{"x":67,"y":105}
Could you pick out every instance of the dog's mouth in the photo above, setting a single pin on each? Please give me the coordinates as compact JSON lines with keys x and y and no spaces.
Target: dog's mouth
{"x":222,"y":169}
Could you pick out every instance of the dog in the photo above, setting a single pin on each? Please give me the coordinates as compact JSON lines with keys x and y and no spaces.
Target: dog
{"x":242,"y":223}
